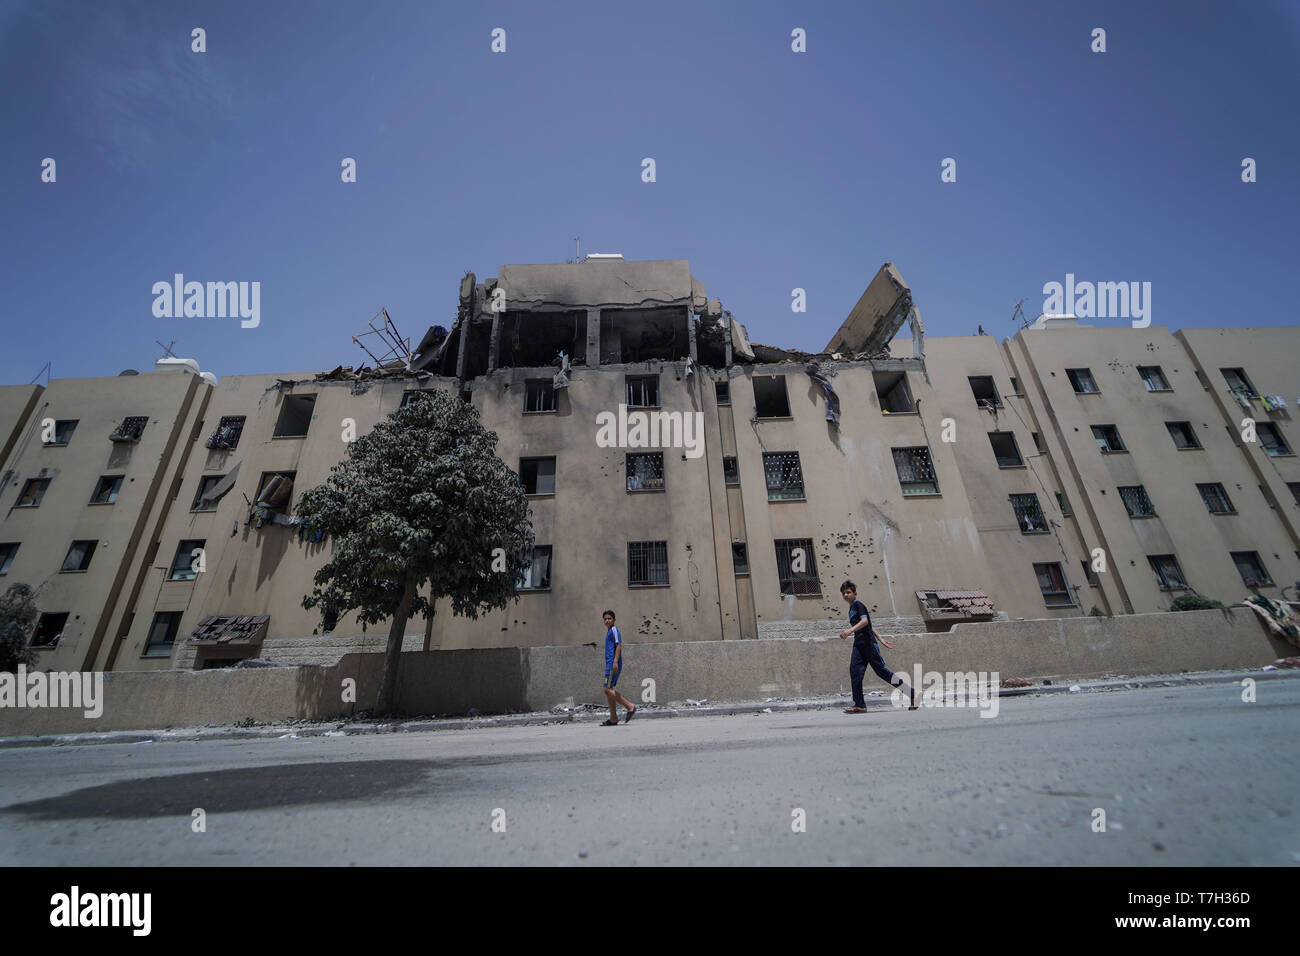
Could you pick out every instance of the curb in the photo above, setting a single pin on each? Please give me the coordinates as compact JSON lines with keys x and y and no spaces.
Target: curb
{"x":425,"y":725}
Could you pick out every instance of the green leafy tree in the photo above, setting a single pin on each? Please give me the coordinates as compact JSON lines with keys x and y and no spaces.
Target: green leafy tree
{"x":422,"y":503}
{"x":18,"y":615}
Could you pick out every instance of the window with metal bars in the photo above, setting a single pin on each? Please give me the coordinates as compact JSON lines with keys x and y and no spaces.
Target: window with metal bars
{"x":783,"y":474}
{"x":228,"y":431}
{"x":1029,"y":515}
{"x":539,"y":396}
{"x":1082,"y":381}
{"x":1136,"y":501}
{"x":647,"y":564}
{"x":645,"y":471}
{"x":1107,"y":437}
{"x":1167,"y":571}
{"x":1052,"y":584}
{"x":1251,"y":569}
{"x":537,"y":576}
{"x":1182,"y":434}
{"x":1005,"y":450}
{"x":1153,"y":378}
{"x":643,"y":391}
{"x":1215,"y":498}
{"x":915,"y":471}
{"x":130,"y":430}
{"x":1270,"y":436}
{"x":796,"y":566}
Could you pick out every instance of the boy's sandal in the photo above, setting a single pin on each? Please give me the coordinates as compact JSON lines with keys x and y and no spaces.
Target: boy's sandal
{"x":610,"y":723}
{"x":855,"y":710}
{"x":915,"y":704}
{"x":629,"y":715}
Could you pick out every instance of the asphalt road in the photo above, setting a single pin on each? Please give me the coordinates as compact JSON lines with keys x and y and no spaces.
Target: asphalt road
{"x":1185,"y":775}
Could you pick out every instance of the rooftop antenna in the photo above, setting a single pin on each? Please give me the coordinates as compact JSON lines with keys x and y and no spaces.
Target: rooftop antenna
{"x":47,"y":369}
{"x":167,"y":349}
{"x":577,"y":249}
{"x":1024,"y":319}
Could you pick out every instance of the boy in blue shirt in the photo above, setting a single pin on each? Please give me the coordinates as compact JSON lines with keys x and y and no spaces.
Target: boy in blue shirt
{"x":613,"y":665}
{"x":865,"y":651}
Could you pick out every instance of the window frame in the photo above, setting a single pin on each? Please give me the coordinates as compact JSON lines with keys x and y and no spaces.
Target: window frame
{"x":631,"y":382}
{"x":87,"y":555}
{"x":1222,"y":491}
{"x":1021,"y":510}
{"x":640,"y":479}
{"x":546,"y":391}
{"x":769,"y":388}
{"x":1265,"y":582}
{"x":206,"y":482}
{"x":1140,"y":493}
{"x":1278,"y":441}
{"x":286,"y":403}
{"x":72,"y":427}
{"x":8,"y":551}
{"x":783,"y":460}
{"x":1119,"y":448}
{"x":532,"y":565}
{"x":1076,"y":380}
{"x":1065,"y":591}
{"x":786,"y":576}
{"x":113,"y":491}
{"x":648,"y":557}
{"x":537,"y":475}
{"x":1187,"y":431}
{"x":172,"y":631}
{"x":1015,"y":446}
{"x":1161,"y":573}
{"x":1159,"y":372}
{"x":187,"y":573}
{"x":31,"y":484}
{"x":932,"y":483}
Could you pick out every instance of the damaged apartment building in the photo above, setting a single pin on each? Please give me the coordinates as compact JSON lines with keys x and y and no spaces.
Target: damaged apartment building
{"x":953,"y":479}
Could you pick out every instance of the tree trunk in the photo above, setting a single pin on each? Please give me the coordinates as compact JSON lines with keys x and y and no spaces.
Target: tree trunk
{"x":393,"y":653}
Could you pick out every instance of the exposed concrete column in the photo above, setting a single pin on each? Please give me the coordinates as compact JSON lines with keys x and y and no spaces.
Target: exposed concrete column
{"x":462,"y":352}
{"x":593,"y":338}
{"x":495,"y":344}
{"x":726,"y":335}
{"x":690,"y":331}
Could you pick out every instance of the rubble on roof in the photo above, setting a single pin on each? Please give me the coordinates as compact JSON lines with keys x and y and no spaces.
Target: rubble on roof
{"x":954,"y":604}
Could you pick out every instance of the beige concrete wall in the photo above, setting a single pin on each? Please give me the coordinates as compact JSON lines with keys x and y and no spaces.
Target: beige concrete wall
{"x":65,"y":514}
{"x":497,"y":680}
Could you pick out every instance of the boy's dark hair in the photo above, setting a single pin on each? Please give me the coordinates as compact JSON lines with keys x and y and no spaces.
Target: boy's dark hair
{"x":611,"y":614}
{"x":848,"y":586}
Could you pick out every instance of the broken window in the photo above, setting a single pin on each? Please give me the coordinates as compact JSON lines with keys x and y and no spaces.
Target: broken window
{"x":1182,"y":434}
{"x":1081,"y":380}
{"x":201,"y":500}
{"x":643,"y":391}
{"x":784,"y":476}
{"x":1251,"y":569}
{"x":1029,"y":515}
{"x":1238,"y":384}
{"x":79,"y":555}
{"x":915,"y":471}
{"x":49,"y":629}
{"x":985,"y":392}
{"x":1167,"y":571}
{"x":1107,"y":437}
{"x":1216,"y":499}
{"x":723,"y":392}
{"x":730,"y":470}
{"x":183,"y":563}
{"x":770,"y":399}
{"x":1051,"y":582}
{"x":226,"y":437}
{"x":643,"y":335}
{"x":539,"y":395}
{"x":131,"y":429}
{"x":740,"y":557}
{"x":162,"y":634}
{"x":1005,"y":449}
{"x":796,"y":566}
{"x":537,"y":576}
{"x":276,"y":490}
{"x":1063,"y":503}
{"x":1270,"y":436}
{"x":1136,"y":502}
{"x":7,"y":552}
{"x":893,"y":392}
{"x":33,"y":492}
{"x":106,"y":490}
{"x":63,"y":432}
{"x":645,"y":471}
{"x":295,"y":416}
{"x":537,"y":475}
{"x":1153,"y":378}
{"x":647,"y":564}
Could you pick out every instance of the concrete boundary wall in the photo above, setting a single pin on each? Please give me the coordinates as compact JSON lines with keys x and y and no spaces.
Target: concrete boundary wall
{"x":500,"y":680}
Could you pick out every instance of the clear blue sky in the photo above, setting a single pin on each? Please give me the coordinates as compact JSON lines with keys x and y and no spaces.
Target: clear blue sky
{"x":775,"y":170}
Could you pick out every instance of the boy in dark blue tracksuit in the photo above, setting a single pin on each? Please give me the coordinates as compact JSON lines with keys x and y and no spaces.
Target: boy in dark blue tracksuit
{"x":865,"y":651}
